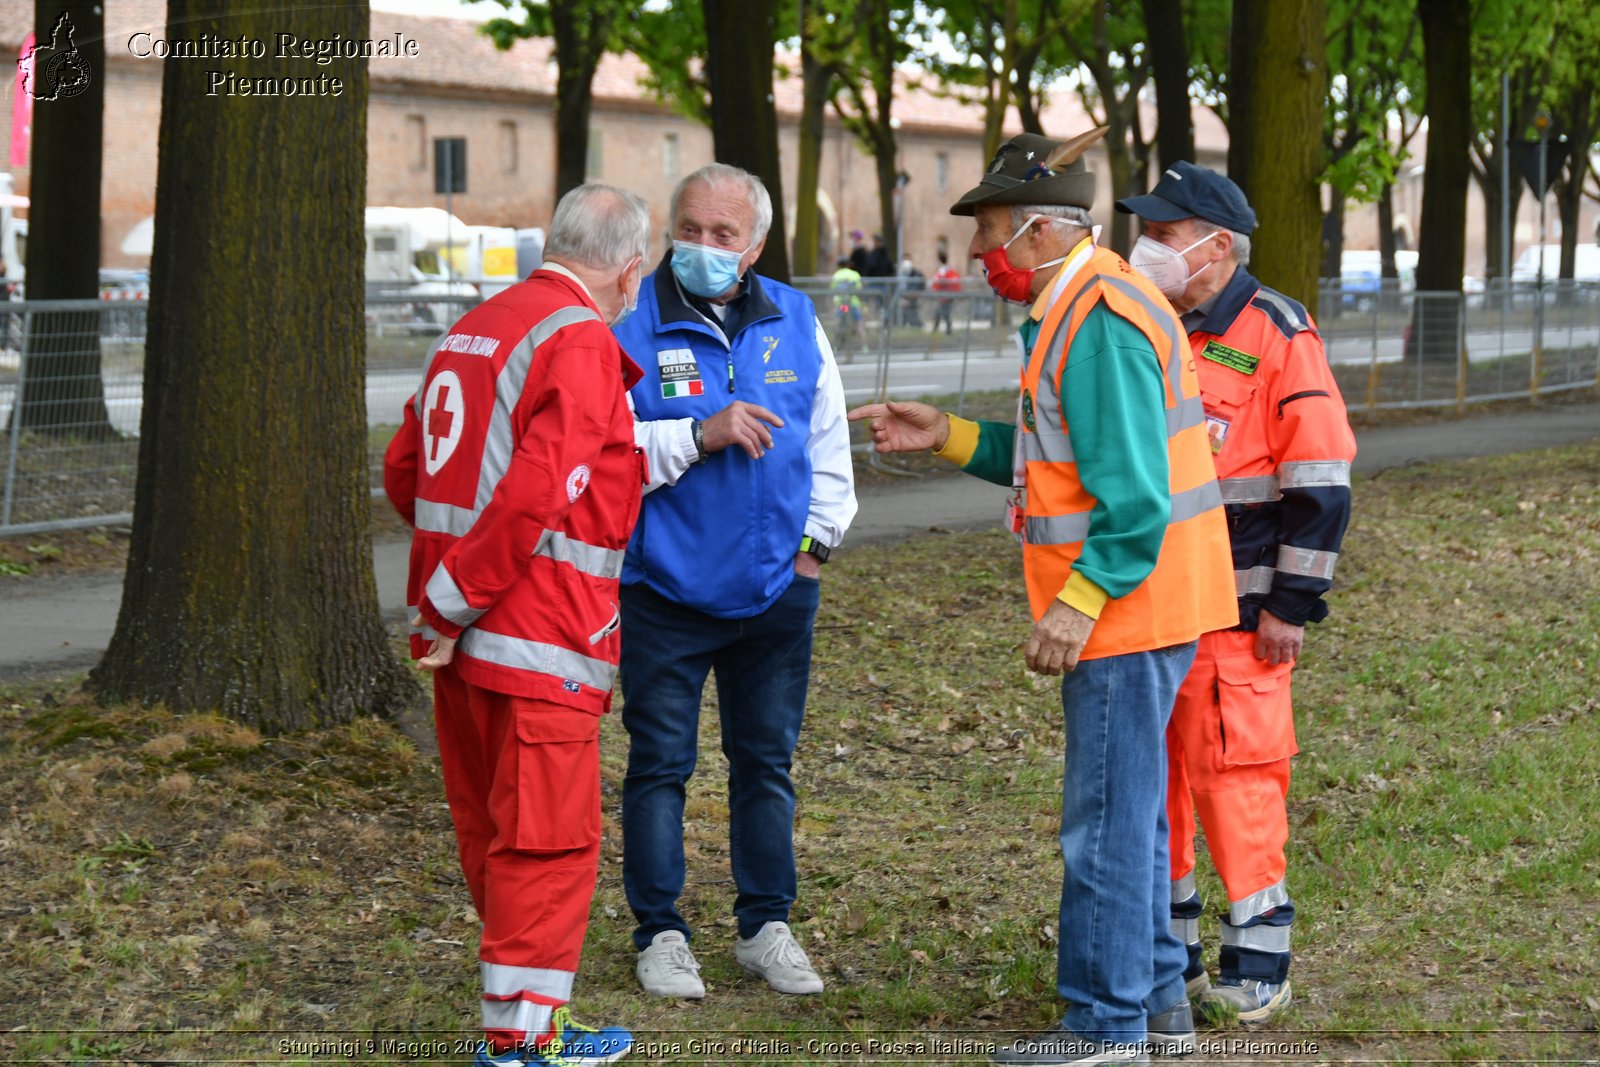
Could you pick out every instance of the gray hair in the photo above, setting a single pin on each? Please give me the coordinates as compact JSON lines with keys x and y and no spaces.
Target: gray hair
{"x":1241,"y":241}
{"x":1069,"y":213}
{"x":600,"y":227}
{"x":714,"y":174}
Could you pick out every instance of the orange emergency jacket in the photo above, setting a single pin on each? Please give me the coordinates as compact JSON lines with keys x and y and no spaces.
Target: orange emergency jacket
{"x":1282,"y":444}
{"x":1190,"y":591}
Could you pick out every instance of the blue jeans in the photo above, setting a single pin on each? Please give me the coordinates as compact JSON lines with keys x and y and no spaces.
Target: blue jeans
{"x":1118,"y":961}
{"x":762,"y":665}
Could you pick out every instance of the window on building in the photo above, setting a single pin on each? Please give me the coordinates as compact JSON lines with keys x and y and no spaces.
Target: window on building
{"x":417,"y":134}
{"x":508,"y":147}
{"x":671,"y":157}
{"x":593,"y":166}
{"x":941,"y":171}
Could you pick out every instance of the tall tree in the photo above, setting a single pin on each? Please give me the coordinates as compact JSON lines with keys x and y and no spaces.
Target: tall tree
{"x":866,"y":64}
{"x":1575,"y":105}
{"x":1281,"y":132}
{"x":1108,"y":44}
{"x":249,"y":587}
{"x":1245,"y":85}
{"x":816,"y":78}
{"x":62,"y":392}
{"x":1441,"y":240}
{"x":582,"y":32}
{"x":740,"y":37}
{"x":1169,"y":66}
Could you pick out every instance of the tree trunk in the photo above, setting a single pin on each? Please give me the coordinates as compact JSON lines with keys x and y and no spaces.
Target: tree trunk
{"x":814,"y":79}
{"x":1441,"y":239}
{"x":744,"y":118}
{"x":576,"y":60}
{"x":1386,"y":242}
{"x":1333,"y":236}
{"x":1169,"y":64}
{"x":1244,"y":82}
{"x":1581,"y":125}
{"x":1282,"y":134}
{"x":249,"y":587}
{"x":62,"y":392}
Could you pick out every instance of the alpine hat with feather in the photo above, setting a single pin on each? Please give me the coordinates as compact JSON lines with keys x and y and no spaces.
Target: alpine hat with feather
{"x":1032,"y":169}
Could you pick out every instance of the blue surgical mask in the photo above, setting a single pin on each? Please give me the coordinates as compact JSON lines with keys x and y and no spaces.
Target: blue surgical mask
{"x":705,"y":271}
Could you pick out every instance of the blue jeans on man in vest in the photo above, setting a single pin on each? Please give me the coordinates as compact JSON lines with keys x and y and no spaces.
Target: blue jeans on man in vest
{"x":1118,"y":962}
{"x":763,"y":666}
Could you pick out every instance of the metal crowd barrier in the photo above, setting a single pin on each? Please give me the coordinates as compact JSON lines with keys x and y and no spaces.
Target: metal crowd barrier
{"x":72,"y":372}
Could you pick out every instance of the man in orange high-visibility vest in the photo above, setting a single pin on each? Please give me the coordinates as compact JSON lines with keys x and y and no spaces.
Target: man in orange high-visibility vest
{"x":1125,"y":555}
{"x":1282,"y":445}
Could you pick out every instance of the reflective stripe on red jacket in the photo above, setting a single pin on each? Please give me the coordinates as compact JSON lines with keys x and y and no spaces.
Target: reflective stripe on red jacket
{"x":1282,"y":444}
{"x":517,"y":466}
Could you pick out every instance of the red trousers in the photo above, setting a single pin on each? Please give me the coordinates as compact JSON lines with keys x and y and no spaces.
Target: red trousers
{"x":522,"y":778}
{"x":1228,"y":749}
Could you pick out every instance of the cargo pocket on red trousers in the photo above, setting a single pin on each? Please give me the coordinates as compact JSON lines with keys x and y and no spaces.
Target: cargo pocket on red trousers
{"x":1257,"y":716}
{"x":558,"y":779}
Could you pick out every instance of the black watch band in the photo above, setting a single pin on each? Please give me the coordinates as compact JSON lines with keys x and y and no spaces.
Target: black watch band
{"x":816,"y":548}
{"x":698,"y":433}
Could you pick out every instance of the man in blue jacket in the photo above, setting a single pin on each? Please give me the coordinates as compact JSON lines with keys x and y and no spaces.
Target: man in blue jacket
{"x":741,"y":417}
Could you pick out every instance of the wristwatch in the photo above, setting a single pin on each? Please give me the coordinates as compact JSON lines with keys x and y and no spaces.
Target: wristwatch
{"x":697,"y":432}
{"x":816,"y":548}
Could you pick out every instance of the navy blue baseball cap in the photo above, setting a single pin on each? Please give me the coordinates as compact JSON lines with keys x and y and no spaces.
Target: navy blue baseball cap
{"x":1187,"y":191}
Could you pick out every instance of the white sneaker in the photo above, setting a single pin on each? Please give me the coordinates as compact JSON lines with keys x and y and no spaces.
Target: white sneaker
{"x":668,"y":969}
{"x":775,"y":955}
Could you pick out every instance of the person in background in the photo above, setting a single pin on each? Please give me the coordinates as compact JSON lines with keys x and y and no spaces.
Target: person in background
{"x":846,"y":287}
{"x":1282,"y":445}
{"x":1125,"y":557}
{"x":518,"y":469}
{"x":945,"y":280}
{"x":912,"y":283}
{"x":741,"y":418}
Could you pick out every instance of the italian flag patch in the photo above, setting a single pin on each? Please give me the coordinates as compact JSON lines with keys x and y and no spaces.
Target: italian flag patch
{"x":694,"y":387}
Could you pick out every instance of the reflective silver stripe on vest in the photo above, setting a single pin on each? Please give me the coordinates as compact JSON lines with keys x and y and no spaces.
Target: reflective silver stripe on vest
{"x":1047,"y":446}
{"x":1306,"y":561}
{"x":1259,"y":938}
{"x":1183,"y":888}
{"x":433,"y":517}
{"x":424,"y":630}
{"x":584,"y":557}
{"x":1177,"y":342}
{"x":1304,"y":475}
{"x":1258,"y":903}
{"x":538,"y":657}
{"x":1254,"y":580}
{"x":1074,"y":527}
{"x":1189,"y":412}
{"x":1185,"y":930}
{"x":1258,"y":490}
{"x":1197,"y":501}
{"x":498,"y":445}
{"x":448,"y":600}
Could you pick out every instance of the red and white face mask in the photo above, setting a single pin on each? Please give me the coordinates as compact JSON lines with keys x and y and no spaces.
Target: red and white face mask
{"x":1011,"y":283}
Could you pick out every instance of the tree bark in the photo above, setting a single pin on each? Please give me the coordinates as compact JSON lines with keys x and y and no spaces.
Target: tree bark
{"x":1333,"y":236}
{"x":1386,"y":241}
{"x":814,"y":79}
{"x":744,"y":118}
{"x":62,"y":392}
{"x":1441,"y":239}
{"x":1244,"y":85}
{"x":579,"y":33}
{"x":1169,"y":64}
{"x":249,"y":587}
{"x":1281,"y":132}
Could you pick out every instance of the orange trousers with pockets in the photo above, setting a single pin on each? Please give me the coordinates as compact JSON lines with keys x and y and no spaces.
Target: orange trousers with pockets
{"x":522,"y":778}
{"x":1228,"y":748}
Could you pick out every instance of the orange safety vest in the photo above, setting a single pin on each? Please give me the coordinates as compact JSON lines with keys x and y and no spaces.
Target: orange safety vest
{"x":1190,"y":591}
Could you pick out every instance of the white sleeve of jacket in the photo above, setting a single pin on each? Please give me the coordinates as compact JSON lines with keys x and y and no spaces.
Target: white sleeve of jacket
{"x":833,"y":483}
{"x":668,"y":447}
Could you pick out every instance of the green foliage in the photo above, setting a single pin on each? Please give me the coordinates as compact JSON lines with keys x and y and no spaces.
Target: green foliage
{"x":1374,"y":73}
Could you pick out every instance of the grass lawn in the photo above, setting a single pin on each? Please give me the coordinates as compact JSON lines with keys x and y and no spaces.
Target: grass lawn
{"x":182,"y":889}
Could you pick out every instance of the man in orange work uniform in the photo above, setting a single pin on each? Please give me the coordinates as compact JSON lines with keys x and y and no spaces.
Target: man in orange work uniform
{"x":517,"y":466}
{"x":1282,"y":445}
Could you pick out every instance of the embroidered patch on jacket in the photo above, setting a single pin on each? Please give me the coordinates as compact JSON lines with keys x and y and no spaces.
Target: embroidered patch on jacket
{"x":680,"y":373}
{"x":778,"y":377}
{"x":1027,"y":411}
{"x":771,"y":343}
{"x":577,"y":482}
{"x":1232,"y":358}
{"x":443,"y":417}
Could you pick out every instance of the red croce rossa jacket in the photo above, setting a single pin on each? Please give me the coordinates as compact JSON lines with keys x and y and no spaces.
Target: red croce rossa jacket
{"x":517,"y":467}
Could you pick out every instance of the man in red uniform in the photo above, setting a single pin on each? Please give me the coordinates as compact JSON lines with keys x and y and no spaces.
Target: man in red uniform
{"x":1282,"y":445}
{"x":517,"y":466}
